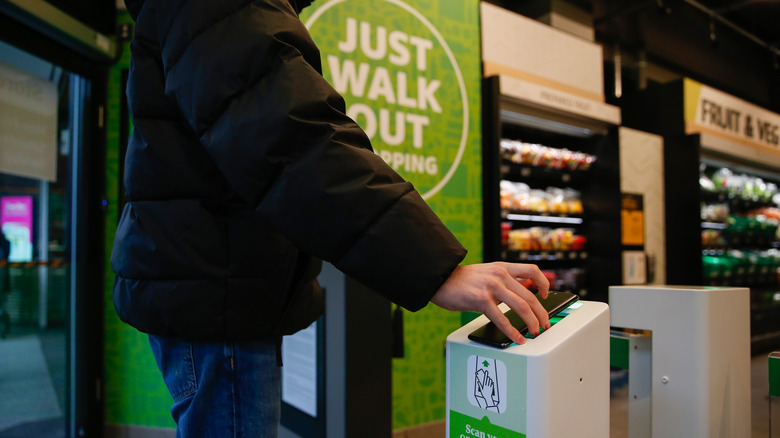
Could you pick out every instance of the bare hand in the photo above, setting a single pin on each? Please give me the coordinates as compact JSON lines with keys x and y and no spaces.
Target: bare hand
{"x":481,"y":287}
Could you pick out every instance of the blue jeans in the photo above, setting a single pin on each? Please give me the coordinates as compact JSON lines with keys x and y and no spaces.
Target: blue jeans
{"x":221,"y":389}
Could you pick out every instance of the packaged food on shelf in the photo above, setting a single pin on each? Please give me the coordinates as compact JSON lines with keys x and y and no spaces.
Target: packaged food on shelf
{"x":744,"y":187}
{"x":506,"y":227}
{"x":712,"y":238}
{"x":573,"y":200}
{"x":528,"y":153}
{"x":584,"y":161}
{"x":761,"y":267}
{"x":544,"y":156}
{"x":770,"y":213}
{"x":715,"y":212}
{"x":544,"y":239}
{"x":562,"y":239}
{"x":520,"y":240}
{"x":750,"y":230}
{"x":538,"y":239}
{"x":706,"y":184}
{"x":564,"y":201}
{"x":717,"y":270}
{"x":538,"y":201}
{"x":578,"y":242}
{"x":516,"y":196}
{"x":556,"y":202}
{"x":742,"y":268}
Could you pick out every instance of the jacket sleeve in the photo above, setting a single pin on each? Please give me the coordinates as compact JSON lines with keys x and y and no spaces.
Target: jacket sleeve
{"x":246,"y":76}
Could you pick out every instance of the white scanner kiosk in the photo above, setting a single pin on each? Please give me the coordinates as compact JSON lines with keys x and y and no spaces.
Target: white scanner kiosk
{"x":699,"y":371}
{"x":556,"y":385}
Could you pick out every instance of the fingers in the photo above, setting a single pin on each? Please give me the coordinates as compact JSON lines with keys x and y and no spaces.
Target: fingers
{"x":525,"y":304}
{"x":530,"y":311}
{"x":481,"y":287}
{"x":520,"y":270}
{"x":502,"y":322}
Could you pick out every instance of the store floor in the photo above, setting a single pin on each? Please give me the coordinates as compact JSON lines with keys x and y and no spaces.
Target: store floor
{"x":31,"y":393}
{"x":759,"y":401}
{"x":32,"y":385}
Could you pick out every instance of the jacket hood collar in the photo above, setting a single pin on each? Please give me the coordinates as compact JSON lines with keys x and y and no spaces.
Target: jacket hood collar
{"x":298,"y":5}
{"x":134,"y":6}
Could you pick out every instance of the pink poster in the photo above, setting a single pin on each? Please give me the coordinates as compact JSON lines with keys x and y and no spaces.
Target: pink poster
{"x":16,"y":222}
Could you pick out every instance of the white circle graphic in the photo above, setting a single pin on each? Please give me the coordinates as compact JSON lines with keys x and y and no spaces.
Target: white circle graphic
{"x":459,"y":76}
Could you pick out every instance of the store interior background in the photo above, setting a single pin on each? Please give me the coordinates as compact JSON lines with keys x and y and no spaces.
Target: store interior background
{"x":729,"y":45}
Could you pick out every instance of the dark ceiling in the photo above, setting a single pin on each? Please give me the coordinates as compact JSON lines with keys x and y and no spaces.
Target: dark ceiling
{"x":729,"y":44}
{"x":753,"y":21}
{"x":733,"y":45}
{"x":760,"y":18}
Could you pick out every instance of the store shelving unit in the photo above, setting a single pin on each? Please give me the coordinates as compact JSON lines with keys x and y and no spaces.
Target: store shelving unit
{"x":739,"y":244}
{"x":659,"y":109}
{"x":587,"y":270}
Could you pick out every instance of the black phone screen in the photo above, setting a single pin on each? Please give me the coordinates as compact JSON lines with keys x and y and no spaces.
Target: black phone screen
{"x":490,"y":334}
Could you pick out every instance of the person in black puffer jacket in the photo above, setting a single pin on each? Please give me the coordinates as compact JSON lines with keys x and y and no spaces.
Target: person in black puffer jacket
{"x":242,"y":173}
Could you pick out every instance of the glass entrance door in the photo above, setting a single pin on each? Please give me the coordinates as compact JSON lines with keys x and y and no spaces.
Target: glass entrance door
{"x":42,"y":108}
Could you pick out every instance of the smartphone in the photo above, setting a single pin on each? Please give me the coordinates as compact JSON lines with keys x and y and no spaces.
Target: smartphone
{"x":489,"y":334}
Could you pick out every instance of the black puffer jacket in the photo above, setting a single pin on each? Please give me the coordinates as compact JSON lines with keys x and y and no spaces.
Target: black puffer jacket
{"x":243,"y":171}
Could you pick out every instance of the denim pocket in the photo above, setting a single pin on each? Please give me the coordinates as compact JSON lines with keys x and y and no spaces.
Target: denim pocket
{"x":175,"y":361}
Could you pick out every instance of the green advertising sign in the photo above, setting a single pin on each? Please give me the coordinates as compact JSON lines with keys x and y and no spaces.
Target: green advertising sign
{"x":402,"y":82}
{"x":410,"y":73}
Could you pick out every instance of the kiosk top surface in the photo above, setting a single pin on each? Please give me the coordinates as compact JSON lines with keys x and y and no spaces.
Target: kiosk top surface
{"x":581,"y":314}
{"x":674,"y":287}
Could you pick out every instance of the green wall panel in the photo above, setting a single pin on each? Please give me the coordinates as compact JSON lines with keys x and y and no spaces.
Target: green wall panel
{"x":134,"y":391}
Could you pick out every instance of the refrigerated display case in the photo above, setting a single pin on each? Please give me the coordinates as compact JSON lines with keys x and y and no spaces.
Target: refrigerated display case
{"x":721,"y":185}
{"x":551,"y":190}
{"x":551,"y":142}
{"x":739,"y":229}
